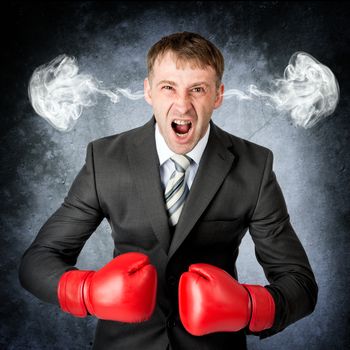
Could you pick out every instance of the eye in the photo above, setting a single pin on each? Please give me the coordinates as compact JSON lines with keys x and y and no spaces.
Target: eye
{"x":198,"y":89}
{"x":167,"y":87}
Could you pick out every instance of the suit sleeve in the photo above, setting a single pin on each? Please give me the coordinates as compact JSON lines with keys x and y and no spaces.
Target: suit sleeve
{"x":56,"y":248}
{"x":282,"y":256}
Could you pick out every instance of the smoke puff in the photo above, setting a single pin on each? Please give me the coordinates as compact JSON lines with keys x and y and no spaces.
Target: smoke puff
{"x":308,"y":92}
{"x":59,"y":93}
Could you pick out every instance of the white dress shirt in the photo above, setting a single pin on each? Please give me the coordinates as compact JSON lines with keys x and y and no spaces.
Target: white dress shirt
{"x":167,"y":167}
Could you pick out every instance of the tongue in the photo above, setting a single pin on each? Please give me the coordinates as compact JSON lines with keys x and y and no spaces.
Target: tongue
{"x":182,"y":129}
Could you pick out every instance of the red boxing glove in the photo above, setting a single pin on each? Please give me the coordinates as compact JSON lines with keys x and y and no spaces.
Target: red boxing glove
{"x":211,"y":300}
{"x":123,"y":290}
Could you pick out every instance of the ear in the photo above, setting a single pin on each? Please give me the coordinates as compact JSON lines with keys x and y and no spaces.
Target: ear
{"x":147,"y":91}
{"x":219,"y":96}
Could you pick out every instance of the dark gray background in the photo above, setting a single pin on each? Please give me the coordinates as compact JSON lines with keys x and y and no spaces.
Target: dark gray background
{"x":110,"y":41}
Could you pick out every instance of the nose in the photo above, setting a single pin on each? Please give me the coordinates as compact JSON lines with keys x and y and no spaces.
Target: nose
{"x":183,"y":103}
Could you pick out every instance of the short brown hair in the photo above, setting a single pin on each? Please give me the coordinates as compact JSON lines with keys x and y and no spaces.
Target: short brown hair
{"x":188,"y":47}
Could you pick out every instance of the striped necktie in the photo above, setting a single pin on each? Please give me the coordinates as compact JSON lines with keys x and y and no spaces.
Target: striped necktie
{"x":177,"y":190}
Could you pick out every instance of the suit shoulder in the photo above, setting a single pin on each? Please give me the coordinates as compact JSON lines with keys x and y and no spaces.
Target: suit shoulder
{"x":241,"y":146}
{"x":106,"y":140}
{"x":114,"y":142}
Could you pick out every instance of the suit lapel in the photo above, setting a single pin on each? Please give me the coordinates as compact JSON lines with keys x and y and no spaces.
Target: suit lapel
{"x":145,"y":171}
{"x":215,"y":163}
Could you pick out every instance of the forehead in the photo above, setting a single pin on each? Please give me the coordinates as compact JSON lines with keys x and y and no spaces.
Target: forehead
{"x":169,"y":64}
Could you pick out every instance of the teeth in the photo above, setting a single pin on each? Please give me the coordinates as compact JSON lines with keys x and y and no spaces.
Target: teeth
{"x":181,"y":122}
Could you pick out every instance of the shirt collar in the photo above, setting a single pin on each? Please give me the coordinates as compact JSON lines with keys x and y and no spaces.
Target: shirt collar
{"x":164,"y":152}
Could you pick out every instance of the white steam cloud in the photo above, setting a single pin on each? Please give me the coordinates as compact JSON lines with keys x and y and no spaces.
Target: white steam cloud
{"x":59,"y":93}
{"x":308,"y":91}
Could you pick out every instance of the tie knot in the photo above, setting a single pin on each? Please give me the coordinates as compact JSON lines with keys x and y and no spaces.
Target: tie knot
{"x":182,"y":162}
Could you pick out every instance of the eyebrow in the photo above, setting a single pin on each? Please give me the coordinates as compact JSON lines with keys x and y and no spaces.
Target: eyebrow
{"x":168,"y":82}
{"x":172,"y":83}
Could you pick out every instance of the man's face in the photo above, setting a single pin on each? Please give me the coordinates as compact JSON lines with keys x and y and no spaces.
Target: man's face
{"x":183,"y":98}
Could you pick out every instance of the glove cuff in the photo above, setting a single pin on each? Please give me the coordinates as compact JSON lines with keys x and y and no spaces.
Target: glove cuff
{"x":70,"y":292}
{"x":86,"y":294}
{"x":263,"y":308}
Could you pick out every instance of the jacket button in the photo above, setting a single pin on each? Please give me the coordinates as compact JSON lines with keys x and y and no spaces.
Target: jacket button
{"x":171,"y":323}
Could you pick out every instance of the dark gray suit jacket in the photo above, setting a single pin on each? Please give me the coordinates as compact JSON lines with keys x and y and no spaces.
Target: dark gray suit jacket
{"x":235,"y":189}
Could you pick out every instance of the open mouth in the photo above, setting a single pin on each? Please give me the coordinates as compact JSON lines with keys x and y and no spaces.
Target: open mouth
{"x":181,"y":127}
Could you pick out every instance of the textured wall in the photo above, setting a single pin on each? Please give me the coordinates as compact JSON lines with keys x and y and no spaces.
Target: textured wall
{"x":110,"y":41}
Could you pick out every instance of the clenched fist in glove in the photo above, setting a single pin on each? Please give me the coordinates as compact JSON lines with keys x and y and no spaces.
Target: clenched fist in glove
{"x":211,"y":300}
{"x":123,"y":290}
